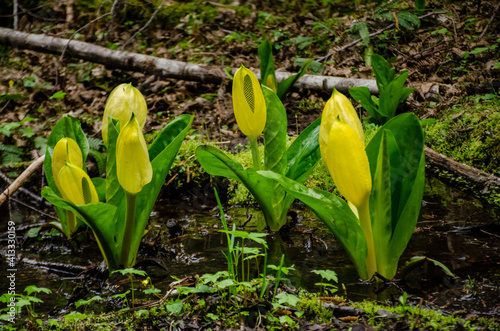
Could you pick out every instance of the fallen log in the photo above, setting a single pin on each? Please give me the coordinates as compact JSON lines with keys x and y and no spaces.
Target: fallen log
{"x":160,"y":67}
{"x":480,"y":184}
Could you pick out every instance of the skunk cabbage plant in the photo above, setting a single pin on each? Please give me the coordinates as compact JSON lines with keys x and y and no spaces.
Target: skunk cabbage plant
{"x":296,"y":163}
{"x":117,"y":208}
{"x":382,"y":185}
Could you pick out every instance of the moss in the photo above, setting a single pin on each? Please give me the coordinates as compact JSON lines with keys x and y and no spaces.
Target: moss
{"x":469,"y":134}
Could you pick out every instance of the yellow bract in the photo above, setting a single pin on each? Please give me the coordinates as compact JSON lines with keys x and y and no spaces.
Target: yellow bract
{"x":271,"y":83}
{"x":76,"y":185}
{"x":338,"y":107}
{"x":347,"y":163}
{"x":122,"y":102}
{"x":248,"y":103}
{"x":66,"y":150}
{"x":132,"y":159}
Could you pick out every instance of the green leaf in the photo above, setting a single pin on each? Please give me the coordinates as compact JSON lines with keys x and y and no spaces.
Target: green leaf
{"x":383,"y":72}
{"x":336,"y":215}
{"x":216,"y":163}
{"x":303,"y":155}
{"x":58,"y":95}
{"x":362,"y":95}
{"x":408,"y":20}
{"x":286,"y":84}
{"x":407,"y":163}
{"x":131,"y":271}
{"x":418,"y":261}
{"x":34,"y":289}
{"x":381,"y":207}
{"x":288,"y":299}
{"x":176,"y":307}
{"x":329,"y":275}
{"x":275,"y":136}
{"x":101,"y":218}
{"x":265,"y":51}
{"x":362,"y":29}
{"x":391,"y":95}
{"x":420,"y":5}
{"x":83,"y":302}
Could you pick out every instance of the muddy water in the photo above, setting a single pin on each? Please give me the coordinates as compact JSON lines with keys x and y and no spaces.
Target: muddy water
{"x":453,"y":229}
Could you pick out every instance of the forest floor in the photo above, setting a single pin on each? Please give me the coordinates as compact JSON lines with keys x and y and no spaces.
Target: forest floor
{"x":452,"y":57}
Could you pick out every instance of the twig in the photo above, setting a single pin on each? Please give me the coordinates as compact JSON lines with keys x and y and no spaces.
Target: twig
{"x":376,"y":33}
{"x":145,"y":26}
{"x":21,"y":179}
{"x":22,"y":189}
{"x":16,"y":18}
{"x":33,"y":208}
{"x":111,"y":13}
{"x":489,"y":23}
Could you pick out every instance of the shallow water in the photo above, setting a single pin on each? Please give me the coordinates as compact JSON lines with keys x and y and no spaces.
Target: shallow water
{"x":454,"y":229}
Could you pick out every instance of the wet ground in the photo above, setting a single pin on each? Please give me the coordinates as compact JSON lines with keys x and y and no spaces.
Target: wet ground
{"x":184,"y":237}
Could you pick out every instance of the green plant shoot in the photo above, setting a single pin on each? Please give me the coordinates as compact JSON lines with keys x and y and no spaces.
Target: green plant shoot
{"x":267,"y":73}
{"x":382,"y":183}
{"x":117,"y":208}
{"x":391,"y":89}
{"x":295,"y":163}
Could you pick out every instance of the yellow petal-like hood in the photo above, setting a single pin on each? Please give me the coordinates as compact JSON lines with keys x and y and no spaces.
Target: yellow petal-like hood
{"x":66,"y":150}
{"x":338,"y":107}
{"x":76,"y":185}
{"x":132,"y":159}
{"x":347,"y":163}
{"x":248,"y":103}
{"x":122,"y":102}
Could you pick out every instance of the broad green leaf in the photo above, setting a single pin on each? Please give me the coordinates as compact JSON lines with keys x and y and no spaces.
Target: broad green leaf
{"x":383,"y":73}
{"x":115,"y":194}
{"x":275,"y":135}
{"x":380,"y":207}
{"x":336,"y":215}
{"x":101,"y":218}
{"x":304,"y":153}
{"x":216,"y":163}
{"x":174,"y":134}
{"x":362,"y":95}
{"x":418,"y":261}
{"x":390,"y":96}
{"x":408,"y":20}
{"x":405,"y":93}
{"x":327,"y":274}
{"x":286,"y":84}
{"x":406,"y":154}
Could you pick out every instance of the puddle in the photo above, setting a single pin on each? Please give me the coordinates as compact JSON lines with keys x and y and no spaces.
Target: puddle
{"x":453,"y":229}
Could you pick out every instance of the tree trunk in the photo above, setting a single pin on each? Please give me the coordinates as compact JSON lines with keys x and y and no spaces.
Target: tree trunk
{"x":158,"y":66}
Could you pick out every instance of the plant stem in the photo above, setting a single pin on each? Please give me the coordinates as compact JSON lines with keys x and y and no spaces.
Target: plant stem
{"x":71,"y":222}
{"x":366,"y":226}
{"x":254,"y":146}
{"x":129,"y":229}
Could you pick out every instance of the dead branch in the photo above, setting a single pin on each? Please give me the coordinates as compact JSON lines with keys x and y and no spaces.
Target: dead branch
{"x":483,"y":185}
{"x":144,"y":27}
{"x":21,"y":179}
{"x":376,"y":33}
{"x":160,"y":67}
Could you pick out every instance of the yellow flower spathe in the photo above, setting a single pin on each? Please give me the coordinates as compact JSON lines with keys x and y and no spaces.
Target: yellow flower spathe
{"x":248,"y":103}
{"x":133,"y":167}
{"x":76,"y":185}
{"x":338,"y":107}
{"x":122,"y":102}
{"x":66,"y":150}
{"x":347,"y":163}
